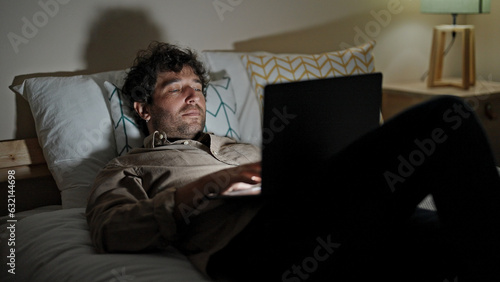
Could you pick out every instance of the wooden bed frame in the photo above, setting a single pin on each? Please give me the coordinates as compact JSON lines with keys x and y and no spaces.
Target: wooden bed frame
{"x":34,"y":185}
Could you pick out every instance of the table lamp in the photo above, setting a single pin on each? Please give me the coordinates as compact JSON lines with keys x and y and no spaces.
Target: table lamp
{"x":453,"y":7}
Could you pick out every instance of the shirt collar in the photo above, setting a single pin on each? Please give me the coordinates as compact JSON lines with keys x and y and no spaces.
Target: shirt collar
{"x":159,"y":138}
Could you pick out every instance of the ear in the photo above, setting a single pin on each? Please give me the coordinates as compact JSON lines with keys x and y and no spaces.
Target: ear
{"x":143,"y":110}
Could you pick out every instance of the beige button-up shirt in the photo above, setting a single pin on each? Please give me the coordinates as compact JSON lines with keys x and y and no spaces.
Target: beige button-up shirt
{"x":131,"y":204}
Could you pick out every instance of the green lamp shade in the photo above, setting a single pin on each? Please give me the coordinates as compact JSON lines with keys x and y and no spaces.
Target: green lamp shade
{"x":455,"y":6}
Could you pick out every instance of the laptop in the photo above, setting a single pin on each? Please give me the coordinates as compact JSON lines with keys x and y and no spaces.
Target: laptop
{"x":307,"y":122}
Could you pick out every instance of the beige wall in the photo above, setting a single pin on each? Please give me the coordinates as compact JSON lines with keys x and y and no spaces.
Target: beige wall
{"x":487,"y":29}
{"x":92,"y":35}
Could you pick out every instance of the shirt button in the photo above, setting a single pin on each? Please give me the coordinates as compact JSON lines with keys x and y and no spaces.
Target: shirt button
{"x":186,"y":142}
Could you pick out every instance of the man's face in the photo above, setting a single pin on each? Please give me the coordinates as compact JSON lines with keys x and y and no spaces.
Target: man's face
{"x":178,"y":106}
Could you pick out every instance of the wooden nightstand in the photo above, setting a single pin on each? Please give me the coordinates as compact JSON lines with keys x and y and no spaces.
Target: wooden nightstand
{"x":484,"y":98}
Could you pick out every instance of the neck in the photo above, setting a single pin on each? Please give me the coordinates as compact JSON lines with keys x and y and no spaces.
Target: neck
{"x":195,"y":137}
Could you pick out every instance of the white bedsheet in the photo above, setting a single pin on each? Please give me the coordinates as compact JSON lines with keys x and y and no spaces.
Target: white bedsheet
{"x":55,"y":246}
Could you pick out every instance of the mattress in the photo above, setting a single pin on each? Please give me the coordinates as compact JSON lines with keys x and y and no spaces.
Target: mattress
{"x":56,"y":246}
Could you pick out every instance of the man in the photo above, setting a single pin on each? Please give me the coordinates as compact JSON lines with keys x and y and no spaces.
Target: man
{"x":353,"y":219}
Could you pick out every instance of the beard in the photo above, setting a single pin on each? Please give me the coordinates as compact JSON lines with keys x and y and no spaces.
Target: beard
{"x":177,"y":126}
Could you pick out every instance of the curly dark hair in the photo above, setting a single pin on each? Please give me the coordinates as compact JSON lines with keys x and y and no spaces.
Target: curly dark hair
{"x":158,"y":57}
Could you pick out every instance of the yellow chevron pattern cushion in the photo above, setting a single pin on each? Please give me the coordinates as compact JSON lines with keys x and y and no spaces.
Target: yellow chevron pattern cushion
{"x":266,"y":68}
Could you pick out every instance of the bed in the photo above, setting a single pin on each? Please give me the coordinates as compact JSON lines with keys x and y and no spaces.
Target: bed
{"x":82,"y":122}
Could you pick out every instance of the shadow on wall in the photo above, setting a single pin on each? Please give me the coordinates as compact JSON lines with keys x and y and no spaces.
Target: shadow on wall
{"x":116,"y":37}
{"x":113,"y":41}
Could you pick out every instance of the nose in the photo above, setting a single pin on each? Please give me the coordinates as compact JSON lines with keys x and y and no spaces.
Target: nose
{"x":192,"y":96}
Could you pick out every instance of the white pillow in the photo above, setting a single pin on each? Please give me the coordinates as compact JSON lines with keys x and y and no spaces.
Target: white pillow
{"x":126,"y":129}
{"x":221,"y":114}
{"x":74,"y":129}
{"x":248,"y":112}
{"x":222,"y":108}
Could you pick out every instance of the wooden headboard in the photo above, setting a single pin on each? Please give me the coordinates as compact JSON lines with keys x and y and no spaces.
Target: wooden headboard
{"x":31,"y":183}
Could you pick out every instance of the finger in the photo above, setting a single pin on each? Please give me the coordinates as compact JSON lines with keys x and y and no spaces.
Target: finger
{"x":252,"y":177}
{"x":241,"y":186}
{"x":256,"y":178}
{"x":242,"y":180}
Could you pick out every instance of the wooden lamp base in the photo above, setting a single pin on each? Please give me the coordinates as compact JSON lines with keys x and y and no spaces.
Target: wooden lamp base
{"x":437,"y":56}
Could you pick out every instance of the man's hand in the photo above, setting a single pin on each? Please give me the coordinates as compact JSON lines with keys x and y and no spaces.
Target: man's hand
{"x":224,"y":181}
{"x":238,"y":178}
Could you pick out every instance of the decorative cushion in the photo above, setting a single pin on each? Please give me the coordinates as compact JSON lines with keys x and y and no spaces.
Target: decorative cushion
{"x":221,"y":114}
{"x":74,"y":129}
{"x":267,"y":68}
{"x":248,"y":113}
{"x":221,"y":109}
{"x":126,"y":129}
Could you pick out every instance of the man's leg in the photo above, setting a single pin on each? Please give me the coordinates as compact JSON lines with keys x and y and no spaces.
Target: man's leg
{"x":373,"y":186}
{"x":438,"y":148}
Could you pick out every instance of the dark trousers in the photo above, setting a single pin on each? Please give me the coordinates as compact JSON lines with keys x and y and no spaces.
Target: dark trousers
{"x":354,"y":217}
